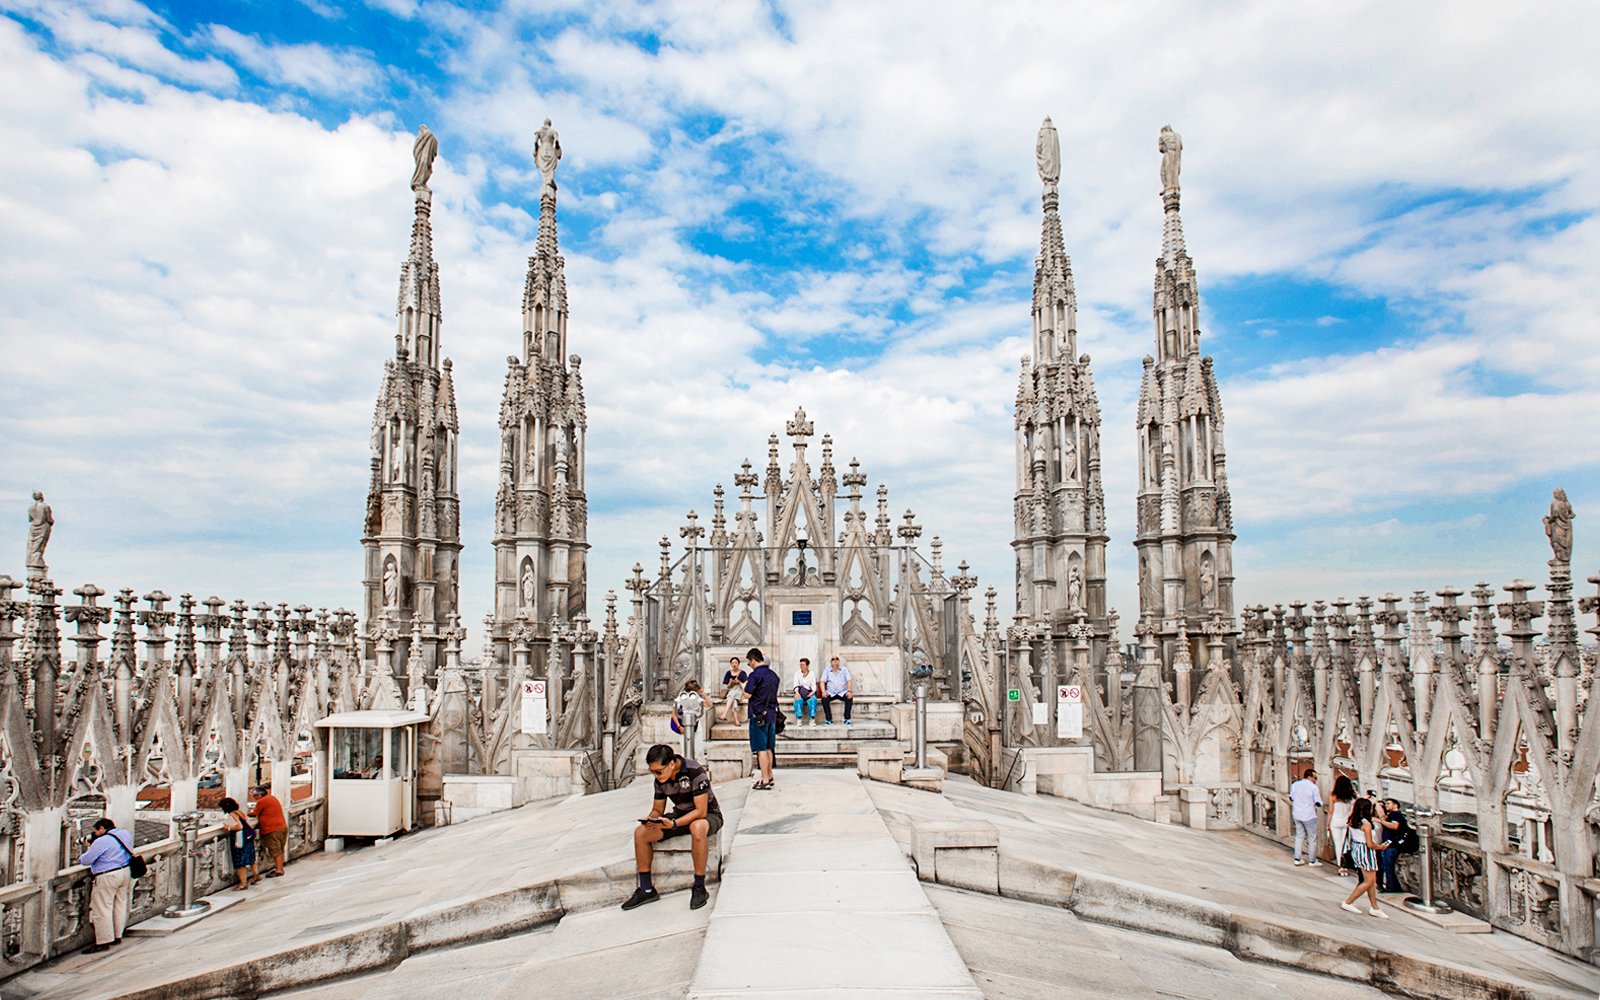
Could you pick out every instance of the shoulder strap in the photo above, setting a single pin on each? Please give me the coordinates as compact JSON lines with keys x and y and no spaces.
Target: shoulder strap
{"x":113,"y":835}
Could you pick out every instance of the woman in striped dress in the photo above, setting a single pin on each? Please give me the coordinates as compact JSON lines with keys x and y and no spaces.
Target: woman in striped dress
{"x":1364,"y":848}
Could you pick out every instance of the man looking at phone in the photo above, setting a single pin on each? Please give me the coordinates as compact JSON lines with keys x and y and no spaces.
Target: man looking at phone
{"x":694,"y":812}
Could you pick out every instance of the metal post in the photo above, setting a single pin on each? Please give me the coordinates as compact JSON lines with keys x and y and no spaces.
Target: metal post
{"x":922,"y":724}
{"x":189,"y":826}
{"x":690,"y":713}
{"x":1426,"y":904}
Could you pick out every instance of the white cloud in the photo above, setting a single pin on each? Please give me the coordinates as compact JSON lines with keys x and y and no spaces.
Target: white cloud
{"x":199,"y":290}
{"x":308,"y":66}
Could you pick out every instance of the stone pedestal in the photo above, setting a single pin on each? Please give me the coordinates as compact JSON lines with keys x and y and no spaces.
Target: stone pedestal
{"x":960,"y":853}
{"x":553,"y":774}
{"x":472,"y":795}
{"x":1069,"y":773}
{"x":728,"y":761}
{"x":944,"y":721}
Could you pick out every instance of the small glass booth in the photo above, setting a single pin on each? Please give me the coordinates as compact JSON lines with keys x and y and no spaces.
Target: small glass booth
{"x":372,"y":757}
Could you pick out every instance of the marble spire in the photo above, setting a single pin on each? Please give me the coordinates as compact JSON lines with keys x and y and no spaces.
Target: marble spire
{"x":541,"y":510}
{"x":412,"y":539}
{"x":1184,"y":519}
{"x":1060,"y":504}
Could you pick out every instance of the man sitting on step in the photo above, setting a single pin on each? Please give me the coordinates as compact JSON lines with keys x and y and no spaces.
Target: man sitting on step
{"x":695,"y":812}
{"x":836,"y":687}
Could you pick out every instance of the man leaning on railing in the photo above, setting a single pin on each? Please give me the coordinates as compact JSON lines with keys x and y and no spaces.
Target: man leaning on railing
{"x":109,"y":854}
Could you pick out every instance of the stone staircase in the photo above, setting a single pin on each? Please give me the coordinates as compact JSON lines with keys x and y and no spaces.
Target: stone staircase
{"x":817,"y":746}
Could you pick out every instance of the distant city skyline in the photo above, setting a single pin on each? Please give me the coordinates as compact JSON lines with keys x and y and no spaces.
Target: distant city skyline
{"x":765,"y":207}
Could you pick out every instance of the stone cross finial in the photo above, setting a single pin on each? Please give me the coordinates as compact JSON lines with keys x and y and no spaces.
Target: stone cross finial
{"x":799,"y":427}
{"x":692,"y":531}
{"x":855,"y":478}
{"x":963,"y":581}
{"x":1519,"y":610}
{"x":746,"y":479}
{"x":910,"y":531}
{"x":1588,"y":605}
{"x":1448,"y":613}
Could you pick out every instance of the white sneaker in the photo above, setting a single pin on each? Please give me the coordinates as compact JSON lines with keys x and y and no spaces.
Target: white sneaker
{"x":1316,"y":864}
{"x":1352,"y":909}
{"x":1298,"y":863}
{"x":1380,"y":914}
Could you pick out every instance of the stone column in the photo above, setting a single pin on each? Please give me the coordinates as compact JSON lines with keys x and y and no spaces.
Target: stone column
{"x":1320,"y":667}
{"x":1366,"y":650}
{"x":1421,"y":659}
{"x":1485,"y":649}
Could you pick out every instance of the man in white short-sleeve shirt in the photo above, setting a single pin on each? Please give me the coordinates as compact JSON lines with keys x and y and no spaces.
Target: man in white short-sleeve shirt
{"x":1305,"y":800}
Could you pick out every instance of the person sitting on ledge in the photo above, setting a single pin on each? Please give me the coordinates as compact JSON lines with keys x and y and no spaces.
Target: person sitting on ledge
{"x":836,"y":687}
{"x":695,"y":812}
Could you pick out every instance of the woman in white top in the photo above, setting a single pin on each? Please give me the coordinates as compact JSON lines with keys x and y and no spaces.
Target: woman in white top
{"x":805,"y":694}
{"x":1344,"y":800}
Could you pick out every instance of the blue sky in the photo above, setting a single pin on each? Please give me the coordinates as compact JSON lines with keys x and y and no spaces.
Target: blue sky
{"x":770,"y":205}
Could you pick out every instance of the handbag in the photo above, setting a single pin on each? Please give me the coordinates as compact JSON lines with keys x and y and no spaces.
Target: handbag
{"x":136,"y":865}
{"x":778,"y":727}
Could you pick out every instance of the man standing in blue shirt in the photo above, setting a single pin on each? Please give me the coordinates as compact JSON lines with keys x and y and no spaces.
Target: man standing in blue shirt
{"x":762,"y":687}
{"x":109,"y":854}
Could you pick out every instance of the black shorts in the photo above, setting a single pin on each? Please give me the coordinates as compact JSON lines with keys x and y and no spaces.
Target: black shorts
{"x":683,"y":828}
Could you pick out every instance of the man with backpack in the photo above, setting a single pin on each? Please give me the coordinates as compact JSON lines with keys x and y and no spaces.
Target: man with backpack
{"x":108,"y":857}
{"x":762,"y":687}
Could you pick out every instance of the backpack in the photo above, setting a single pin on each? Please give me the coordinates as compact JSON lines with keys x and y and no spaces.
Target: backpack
{"x":136,"y":865}
{"x":1406,"y":839}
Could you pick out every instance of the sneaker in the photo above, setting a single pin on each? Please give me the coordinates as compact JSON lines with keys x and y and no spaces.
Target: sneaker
{"x":698,"y":897}
{"x":848,"y":722}
{"x":1298,"y":862}
{"x":640,"y":897}
{"x":1316,"y":864}
{"x":1380,"y":914}
{"x":828,"y":723}
{"x":1352,"y":909}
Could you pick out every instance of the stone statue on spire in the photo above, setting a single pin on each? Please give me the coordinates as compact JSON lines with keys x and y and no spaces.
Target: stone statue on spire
{"x":546,"y":154}
{"x":423,"y":150}
{"x":40,"y":522}
{"x":1048,"y":152}
{"x":1171,"y":147}
{"x":1559,"y":526}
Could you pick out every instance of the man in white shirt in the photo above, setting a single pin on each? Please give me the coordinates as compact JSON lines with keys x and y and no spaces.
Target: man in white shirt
{"x":1305,"y":800}
{"x":805,"y":694}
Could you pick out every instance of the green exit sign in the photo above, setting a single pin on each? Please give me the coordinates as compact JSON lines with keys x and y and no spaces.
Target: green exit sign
{"x":1015,"y":694}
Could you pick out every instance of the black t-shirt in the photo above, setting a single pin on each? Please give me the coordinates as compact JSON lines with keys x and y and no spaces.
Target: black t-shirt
{"x":731,"y":678}
{"x":692,"y":780}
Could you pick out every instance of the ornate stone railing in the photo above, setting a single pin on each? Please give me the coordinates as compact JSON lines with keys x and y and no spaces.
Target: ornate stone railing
{"x":22,"y":907}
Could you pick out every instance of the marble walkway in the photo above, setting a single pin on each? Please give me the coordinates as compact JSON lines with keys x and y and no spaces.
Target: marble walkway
{"x":818,"y":901}
{"x":817,"y":895}
{"x":1242,"y":873}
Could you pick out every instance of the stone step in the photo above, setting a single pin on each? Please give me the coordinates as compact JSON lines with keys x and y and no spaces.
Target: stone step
{"x":863,"y":730}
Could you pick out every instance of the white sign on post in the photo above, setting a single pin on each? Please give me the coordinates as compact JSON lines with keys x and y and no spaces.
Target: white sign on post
{"x":1041,"y":714}
{"x":535,"y":713}
{"x":1069,"y":712}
